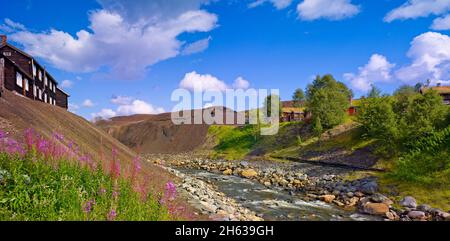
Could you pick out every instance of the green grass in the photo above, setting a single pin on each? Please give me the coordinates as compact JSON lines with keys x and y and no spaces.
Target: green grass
{"x":233,"y":142}
{"x":32,"y":189}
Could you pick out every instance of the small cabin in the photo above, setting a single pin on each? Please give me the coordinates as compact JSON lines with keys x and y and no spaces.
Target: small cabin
{"x":291,"y":112}
{"x":443,"y":91}
{"x":22,"y":74}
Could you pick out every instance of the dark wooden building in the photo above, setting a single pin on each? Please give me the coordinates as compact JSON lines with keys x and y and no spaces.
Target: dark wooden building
{"x":22,"y":74}
{"x":443,"y":91}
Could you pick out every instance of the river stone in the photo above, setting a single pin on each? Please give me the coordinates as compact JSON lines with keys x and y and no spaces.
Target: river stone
{"x":249,"y":173}
{"x":416,"y":215}
{"x":327,"y":198}
{"x":370,"y":187}
{"x":376,"y":208}
{"x":244,"y":164}
{"x":228,"y":172}
{"x":424,"y":207}
{"x":408,"y":202}
{"x":379,"y":198}
{"x":267,"y":184}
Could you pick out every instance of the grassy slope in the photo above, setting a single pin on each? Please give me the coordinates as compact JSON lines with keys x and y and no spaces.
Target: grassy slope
{"x":18,"y":113}
{"x":33,"y":190}
{"x":295,"y":139}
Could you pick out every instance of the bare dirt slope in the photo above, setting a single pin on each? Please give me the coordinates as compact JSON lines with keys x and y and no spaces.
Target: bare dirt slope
{"x":18,"y":113}
{"x":155,"y":133}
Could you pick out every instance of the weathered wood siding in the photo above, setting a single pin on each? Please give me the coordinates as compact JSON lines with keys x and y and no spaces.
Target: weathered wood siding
{"x":61,"y":99}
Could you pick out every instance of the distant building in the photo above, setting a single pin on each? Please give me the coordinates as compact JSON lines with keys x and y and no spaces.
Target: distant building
{"x":354,"y":105}
{"x":291,"y":112}
{"x":443,"y":91}
{"x":22,"y":74}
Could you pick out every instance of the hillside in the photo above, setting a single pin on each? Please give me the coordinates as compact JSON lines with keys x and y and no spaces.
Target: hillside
{"x":18,"y":113}
{"x":156,"y":133}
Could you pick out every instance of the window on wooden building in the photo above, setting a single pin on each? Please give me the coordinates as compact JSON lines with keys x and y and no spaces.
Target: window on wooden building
{"x":34,"y":70}
{"x":19,"y":79}
{"x":34,"y":91}
{"x":45,"y":80}
{"x":27,"y":87}
{"x":45,"y":97}
{"x":40,"y":75}
{"x":40,"y":94}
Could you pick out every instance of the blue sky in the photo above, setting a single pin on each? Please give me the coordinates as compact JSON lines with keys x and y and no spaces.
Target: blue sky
{"x":118,"y":57}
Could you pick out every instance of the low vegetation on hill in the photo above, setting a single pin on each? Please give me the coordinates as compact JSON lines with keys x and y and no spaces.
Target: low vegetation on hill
{"x":52,"y":179}
{"x":406,"y":134}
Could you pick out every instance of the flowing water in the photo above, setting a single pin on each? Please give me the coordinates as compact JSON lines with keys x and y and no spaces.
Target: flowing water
{"x":274,"y":203}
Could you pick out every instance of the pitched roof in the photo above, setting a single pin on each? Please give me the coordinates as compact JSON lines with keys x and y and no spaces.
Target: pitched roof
{"x":439,"y":89}
{"x":19,"y":68}
{"x":28,"y":56}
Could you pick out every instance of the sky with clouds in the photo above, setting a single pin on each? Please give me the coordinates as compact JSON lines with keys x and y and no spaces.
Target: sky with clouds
{"x":121,"y":57}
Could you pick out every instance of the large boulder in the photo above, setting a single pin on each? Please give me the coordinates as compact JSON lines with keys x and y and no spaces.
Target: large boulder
{"x":369,"y":187}
{"x":416,"y":215}
{"x":228,"y":172}
{"x":327,"y":198}
{"x":408,"y":202}
{"x":379,"y":209}
{"x":249,"y":173}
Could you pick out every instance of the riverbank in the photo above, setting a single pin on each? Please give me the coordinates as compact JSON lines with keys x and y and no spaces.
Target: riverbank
{"x":310,"y":183}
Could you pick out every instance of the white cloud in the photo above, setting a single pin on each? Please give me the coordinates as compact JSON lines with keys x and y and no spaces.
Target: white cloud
{"x":153,"y":11}
{"x":278,"y":4}
{"x":121,"y":100}
{"x":127,"y":105}
{"x":442,"y":23}
{"x":88,"y":103}
{"x":241,"y":83}
{"x":11,"y":26}
{"x":430,"y":56}
{"x":66,"y":84}
{"x":198,"y":82}
{"x":104,"y":114}
{"x":377,"y":70}
{"x":328,"y":9}
{"x":73,"y":108}
{"x":197,"y":47}
{"x":123,"y":37}
{"x":418,"y":8}
{"x":138,"y":107}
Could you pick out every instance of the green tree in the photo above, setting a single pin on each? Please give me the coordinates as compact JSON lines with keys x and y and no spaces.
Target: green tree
{"x":379,"y":120}
{"x":374,"y":92}
{"x":422,"y":114}
{"x":268,"y":105}
{"x":317,"y":126}
{"x":328,"y":100}
{"x":298,"y":97}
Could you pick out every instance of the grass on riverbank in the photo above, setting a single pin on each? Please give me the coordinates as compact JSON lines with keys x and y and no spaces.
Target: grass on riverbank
{"x":47,"y":180}
{"x":32,"y":189}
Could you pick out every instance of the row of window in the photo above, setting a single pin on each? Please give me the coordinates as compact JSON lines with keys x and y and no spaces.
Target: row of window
{"x":43,"y":77}
{"x":37,"y":92}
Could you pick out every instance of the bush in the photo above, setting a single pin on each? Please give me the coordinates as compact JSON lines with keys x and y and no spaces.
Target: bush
{"x":379,"y":122}
{"x":47,"y":180}
{"x":328,"y":100}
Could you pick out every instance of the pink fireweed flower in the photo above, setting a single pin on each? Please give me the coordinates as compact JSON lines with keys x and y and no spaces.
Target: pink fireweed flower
{"x":170,"y":192}
{"x":2,"y":134}
{"x":58,"y":136}
{"x":102,"y":191}
{"x":29,"y":138}
{"x":87,"y":208}
{"x":136,"y":168}
{"x":112,"y":215}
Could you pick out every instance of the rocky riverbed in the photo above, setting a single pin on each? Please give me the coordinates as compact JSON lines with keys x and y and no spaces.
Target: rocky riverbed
{"x":306,"y":182}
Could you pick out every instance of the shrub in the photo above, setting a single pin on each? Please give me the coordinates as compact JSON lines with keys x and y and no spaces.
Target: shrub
{"x":53,"y":180}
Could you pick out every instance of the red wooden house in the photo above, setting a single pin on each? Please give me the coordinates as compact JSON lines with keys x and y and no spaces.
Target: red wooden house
{"x":22,"y":74}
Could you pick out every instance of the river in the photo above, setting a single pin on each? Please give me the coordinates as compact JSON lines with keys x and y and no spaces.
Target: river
{"x":274,"y":204}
